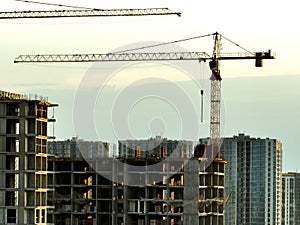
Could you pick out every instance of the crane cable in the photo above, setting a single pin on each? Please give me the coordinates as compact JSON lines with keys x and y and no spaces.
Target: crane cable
{"x":177,"y":41}
{"x":201,"y":94}
{"x":160,"y":44}
{"x":237,"y":45}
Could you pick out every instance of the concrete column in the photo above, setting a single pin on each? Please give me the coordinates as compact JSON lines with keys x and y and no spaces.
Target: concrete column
{"x":191,"y":192}
{"x":22,"y":147}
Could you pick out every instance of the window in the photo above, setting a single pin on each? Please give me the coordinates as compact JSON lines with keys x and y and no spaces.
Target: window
{"x":11,"y":216}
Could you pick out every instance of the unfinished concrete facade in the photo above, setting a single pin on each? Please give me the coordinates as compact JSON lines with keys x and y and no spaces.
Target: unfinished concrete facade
{"x":142,"y":186}
{"x":190,"y":186}
{"x":74,"y":193}
{"x":23,"y":159}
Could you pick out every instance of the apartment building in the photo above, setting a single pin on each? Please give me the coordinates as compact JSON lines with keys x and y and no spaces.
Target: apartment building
{"x":290,"y":198}
{"x":253,"y":180}
{"x":23,"y":158}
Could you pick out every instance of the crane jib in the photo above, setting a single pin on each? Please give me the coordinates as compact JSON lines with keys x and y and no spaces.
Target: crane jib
{"x":87,"y":13}
{"x":199,"y":56}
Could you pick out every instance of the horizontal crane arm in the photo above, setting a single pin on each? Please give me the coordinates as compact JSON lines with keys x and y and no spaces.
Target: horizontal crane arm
{"x":200,"y":56}
{"x":88,"y":13}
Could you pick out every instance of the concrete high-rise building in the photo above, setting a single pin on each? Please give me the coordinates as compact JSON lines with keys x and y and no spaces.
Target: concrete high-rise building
{"x":23,"y":158}
{"x":253,"y":180}
{"x":297,"y":198}
{"x":288,"y":199}
{"x":154,"y":182}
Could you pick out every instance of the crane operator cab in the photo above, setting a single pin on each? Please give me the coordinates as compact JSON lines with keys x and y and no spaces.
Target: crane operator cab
{"x":214,"y":66}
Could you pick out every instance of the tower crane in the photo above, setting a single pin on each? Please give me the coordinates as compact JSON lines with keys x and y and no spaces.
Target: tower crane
{"x":214,"y":64}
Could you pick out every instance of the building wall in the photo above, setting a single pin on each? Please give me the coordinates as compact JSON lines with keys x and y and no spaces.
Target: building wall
{"x":291,"y":198}
{"x":288,"y":199}
{"x":231,"y":169}
{"x":297,"y":198}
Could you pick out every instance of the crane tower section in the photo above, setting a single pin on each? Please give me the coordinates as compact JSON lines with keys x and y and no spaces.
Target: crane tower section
{"x":215,"y":98}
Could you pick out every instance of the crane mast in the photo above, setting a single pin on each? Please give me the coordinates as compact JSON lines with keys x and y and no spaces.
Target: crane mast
{"x":215,"y":98}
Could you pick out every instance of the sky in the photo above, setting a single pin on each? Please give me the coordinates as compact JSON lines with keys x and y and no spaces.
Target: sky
{"x":261,"y":102}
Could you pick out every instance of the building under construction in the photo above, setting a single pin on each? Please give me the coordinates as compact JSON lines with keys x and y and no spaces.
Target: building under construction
{"x":155,"y":181}
{"x":23,"y":158}
{"x":73,"y":183}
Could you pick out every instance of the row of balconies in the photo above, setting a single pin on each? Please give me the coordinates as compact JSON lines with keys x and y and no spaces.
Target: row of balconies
{"x":32,"y":110}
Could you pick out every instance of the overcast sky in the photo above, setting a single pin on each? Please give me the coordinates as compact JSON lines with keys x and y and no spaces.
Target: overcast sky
{"x":261,"y":102}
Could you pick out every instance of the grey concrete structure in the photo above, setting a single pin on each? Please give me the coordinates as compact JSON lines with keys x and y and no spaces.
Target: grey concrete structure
{"x":74,"y":183}
{"x":147,"y":184}
{"x":23,"y":159}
